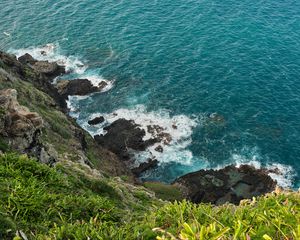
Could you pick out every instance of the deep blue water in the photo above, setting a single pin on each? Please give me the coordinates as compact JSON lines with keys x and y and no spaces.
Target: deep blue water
{"x":237,"y":58}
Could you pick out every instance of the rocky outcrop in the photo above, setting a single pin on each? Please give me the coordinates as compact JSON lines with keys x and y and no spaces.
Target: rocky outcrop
{"x":21,"y":128}
{"x":49,"y":69}
{"x":123,"y":135}
{"x":59,"y":138}
{"x":96,"y":120}
{"x":79,"y":87}
{"x":150,"y":164}
{"x":230,"y":184}
{"x":18,"y":123}
{"x":27,"y":59}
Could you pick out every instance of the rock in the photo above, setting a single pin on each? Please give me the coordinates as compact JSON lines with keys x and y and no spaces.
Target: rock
{"x":123,"y":135}
{"x":159,"y":149}
{"x":79,"y":87}
{"x":150,"y":164}
{"x":158,"y":133}
{"x":102,"y":85}
{"x":217,"y":118}
{"x":19,"y":124}
{"x":50,"y":69}
{"x":27,"y":59}
{"x":96,"y":120}
{"x":230,"y":184}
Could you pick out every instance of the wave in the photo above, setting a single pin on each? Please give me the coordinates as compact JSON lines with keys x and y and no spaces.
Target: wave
{"x":283,"y":174}
{"x":179,"y":128}
{"x":51,"y":52}
{"x":96,"y":80}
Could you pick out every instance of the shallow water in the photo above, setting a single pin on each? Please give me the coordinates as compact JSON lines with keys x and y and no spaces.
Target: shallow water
{"x":179,"y":62}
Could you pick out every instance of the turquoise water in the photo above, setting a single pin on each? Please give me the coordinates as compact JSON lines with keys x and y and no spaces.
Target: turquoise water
{"x":182,"y":61}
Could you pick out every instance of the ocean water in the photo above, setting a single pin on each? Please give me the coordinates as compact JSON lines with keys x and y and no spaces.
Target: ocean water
{"x":226,"y":73}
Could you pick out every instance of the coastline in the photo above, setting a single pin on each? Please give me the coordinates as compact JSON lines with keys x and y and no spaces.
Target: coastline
{"x":134,"y":135}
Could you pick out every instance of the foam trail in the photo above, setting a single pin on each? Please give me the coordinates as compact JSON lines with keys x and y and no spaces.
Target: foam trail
{"x":51,"y":52}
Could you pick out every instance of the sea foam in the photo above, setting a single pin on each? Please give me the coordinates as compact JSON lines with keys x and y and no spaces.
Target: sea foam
{"x":51,"y":52}
{"x":283,"y":174}
{"x":179,"y":127}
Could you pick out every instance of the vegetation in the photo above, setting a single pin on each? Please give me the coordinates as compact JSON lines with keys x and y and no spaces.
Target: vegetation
{"x":71,"y":202}
{"x":164,"y":191}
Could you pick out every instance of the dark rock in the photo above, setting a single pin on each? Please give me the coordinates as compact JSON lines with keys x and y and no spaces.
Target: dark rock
{"x":158,"y":133}
{"x":27,"y":59}
{"x":150,"y":164}
{"x":79,"y":87}
{"x":230,"y":184}
{"x":123,"y":135}
{"x":102,"y":85}
{"x":96,"y":120}
{"x":159,"y":149}
{"x":50,"y":69}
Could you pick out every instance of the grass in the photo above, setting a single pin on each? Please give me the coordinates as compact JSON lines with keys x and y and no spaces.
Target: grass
{"x":164,"y":191}
{"x":72,"y":201}
{"x":69,"y":202}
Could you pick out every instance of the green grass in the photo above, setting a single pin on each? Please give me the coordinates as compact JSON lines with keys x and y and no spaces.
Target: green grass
{"x":164,"y":191}
{"x":68,"y":202}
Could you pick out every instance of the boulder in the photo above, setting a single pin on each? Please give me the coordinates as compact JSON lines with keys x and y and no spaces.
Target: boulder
{"x":79,"y":87}
{"x":27,"y":59}
{"x":50,"y":69}
{"x":18,"y":123}
{"x":96,"y":120}
{"x":123,"y":135}
{"x":230,"y":184}
{"x":150,"y":164}
{"x":159,"y":148}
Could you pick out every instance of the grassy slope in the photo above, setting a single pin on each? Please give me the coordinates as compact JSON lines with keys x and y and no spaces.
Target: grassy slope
{"x":71,"y":202}
{"x":59,"y":132}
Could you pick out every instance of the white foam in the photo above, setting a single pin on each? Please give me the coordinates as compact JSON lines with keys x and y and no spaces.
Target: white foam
{"x":72,"y":105}
{"x":51,"y":52}
{"x":175,"y":151}
{"x":283,"y":174}
{"x":96,"y":80}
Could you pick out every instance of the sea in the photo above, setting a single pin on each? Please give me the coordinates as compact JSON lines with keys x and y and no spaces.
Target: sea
{"x":221,"y":77}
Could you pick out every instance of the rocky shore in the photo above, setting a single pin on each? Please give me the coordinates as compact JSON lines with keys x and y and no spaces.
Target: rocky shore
{"x":43,"y":130}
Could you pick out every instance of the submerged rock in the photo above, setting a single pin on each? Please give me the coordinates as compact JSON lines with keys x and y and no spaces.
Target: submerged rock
{"x":96,"y":120}
{"x":79,"y":87}
{"x":230,"y":184}
{"x":123,"y":135}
